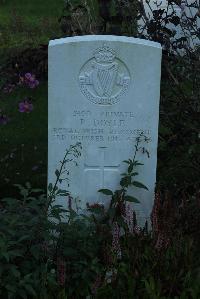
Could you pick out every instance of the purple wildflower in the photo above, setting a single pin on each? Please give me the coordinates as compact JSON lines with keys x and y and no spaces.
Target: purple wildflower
{"x":129,"y":218}
{"x":116,"y":239}
{"x":30,"y":80}
{"x":162,"y":242}
{"x":61,"y":268}
{"x":25,"y":106}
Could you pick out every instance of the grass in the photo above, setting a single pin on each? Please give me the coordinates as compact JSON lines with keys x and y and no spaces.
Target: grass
{"x":23,"y":155}
{"x":28,"y":23}
{"x":23,"y":140}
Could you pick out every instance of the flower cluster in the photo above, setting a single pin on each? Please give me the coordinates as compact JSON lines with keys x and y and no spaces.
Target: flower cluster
{"x":116,"y":239}
{"x":29,"y":80}
{"x":162,"y":219}
{"x":25,"y":106}
{"x":129,"y":218}
{"x":131,"y":221}
{"x":61,"y":268}
{"x":162,"y":241}
{"x":155,"y":214}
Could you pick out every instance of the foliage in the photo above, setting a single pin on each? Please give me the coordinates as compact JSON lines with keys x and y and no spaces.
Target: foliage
{"x":49,"y":252}
{"x":179,"y":105}
{"x":25,"y":265}
{"x":99,"y":17}
{"x":23,"y":138}
{"x":103,"y":253}
{"x":27,"y":24}
{"x":178,"y":158}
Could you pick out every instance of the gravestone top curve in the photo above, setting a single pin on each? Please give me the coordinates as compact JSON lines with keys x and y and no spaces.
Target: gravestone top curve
{"x":109,"y":38}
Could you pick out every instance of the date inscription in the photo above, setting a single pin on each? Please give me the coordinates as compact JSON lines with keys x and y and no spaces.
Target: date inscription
{"x":107,"y":126}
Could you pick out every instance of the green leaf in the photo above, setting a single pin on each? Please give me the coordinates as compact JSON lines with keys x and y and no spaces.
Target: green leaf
{"x":131,"y":199}
{"x":139,"y":185}
{"x":137,"y":163}
{"x":62,"y":192}
{"x":25,"y":237}
{"x":28,"y":185}
{"x":50,"y":187}
{"x":57,"y":173}
{"x":6,"y":255}
{"x":22,"y":293}
{"x":126,"y":161}
{"x":125,"y":181}
{"x":37,"y":190}
{"x":15,"y":253}
{"x":134,"y":173}
{"x":111,"y":212}
{"x":130,"y":168}
{"x":106,"y":191}
{"x":30,"y":290}
{"x":14,"y":271}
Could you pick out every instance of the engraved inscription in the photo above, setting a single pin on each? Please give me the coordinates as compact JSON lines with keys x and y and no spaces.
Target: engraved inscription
{"x":111,"y":127}
{"x":101,"y":167}
{"x":104,"y":78}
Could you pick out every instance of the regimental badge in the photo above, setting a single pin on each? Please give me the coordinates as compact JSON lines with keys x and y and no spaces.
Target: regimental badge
{"x":104,"y":78}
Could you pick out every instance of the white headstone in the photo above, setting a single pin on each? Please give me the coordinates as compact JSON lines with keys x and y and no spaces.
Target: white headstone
{"x":104,"y":92}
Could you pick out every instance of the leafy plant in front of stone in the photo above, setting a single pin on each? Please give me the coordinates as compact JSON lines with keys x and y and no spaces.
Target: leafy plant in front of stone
{"x":45,"y":259}
{"x":71,"y":154}
{"x":76,"y":245}
{"x":28,"y":239}
{"x":121,"y":197}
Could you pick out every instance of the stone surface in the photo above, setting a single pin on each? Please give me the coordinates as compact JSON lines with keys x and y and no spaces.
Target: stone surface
{"x":104,"y":92}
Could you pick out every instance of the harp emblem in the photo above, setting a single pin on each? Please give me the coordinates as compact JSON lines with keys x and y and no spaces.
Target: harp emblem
{"x":104,"y":78}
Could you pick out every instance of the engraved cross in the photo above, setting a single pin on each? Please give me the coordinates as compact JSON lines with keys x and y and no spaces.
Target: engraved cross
{"x":101,"y":166}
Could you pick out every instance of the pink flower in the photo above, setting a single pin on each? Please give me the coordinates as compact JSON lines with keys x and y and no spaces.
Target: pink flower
{"x":131,"y":221}
{"x":116,"y":239}
{"x":155,"y":214}
{"x":162,"y":241}
{"x":61,"y":268}
{"x":25,"y":106}
{"x":129,"y":218}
